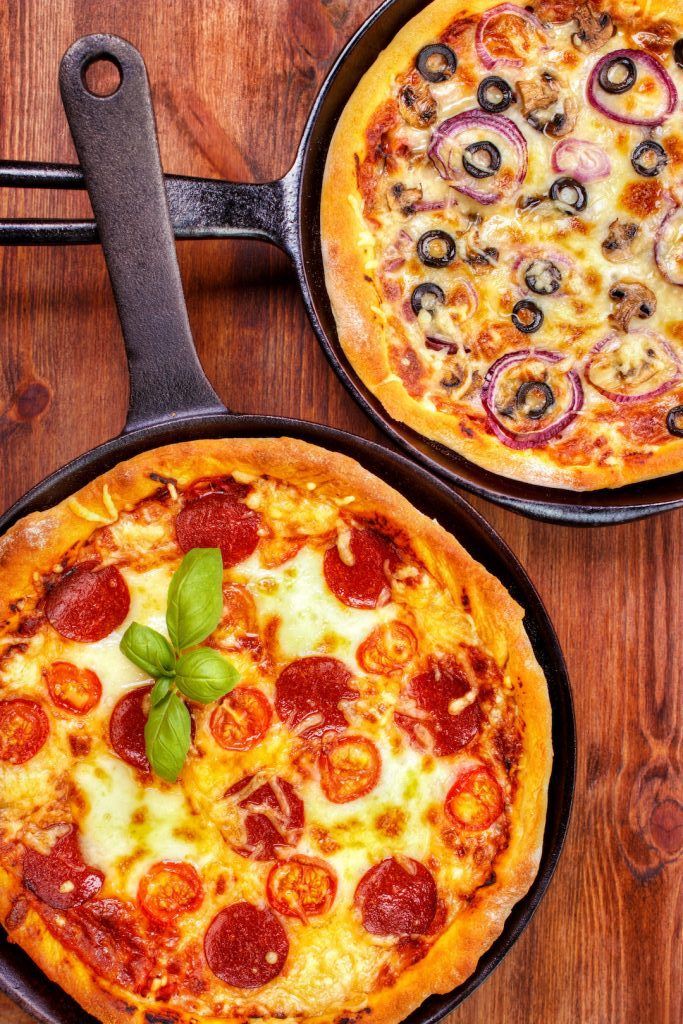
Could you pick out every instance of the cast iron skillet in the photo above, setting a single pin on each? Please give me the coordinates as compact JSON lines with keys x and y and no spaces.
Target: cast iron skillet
{"x":287,"y":213}
{"x":171,"y":400}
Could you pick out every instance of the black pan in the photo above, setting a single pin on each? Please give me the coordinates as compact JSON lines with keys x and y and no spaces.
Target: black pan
{"x":287,"y":213}
{"x":171,"y":400}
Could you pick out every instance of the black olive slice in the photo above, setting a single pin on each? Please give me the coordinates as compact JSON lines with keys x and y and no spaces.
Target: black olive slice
{"x":481,"y":159}
{"x":543,"y":277}
{"x":674,"y":421}
{"x":436,"y":249}
{"x":436,"y":62}
{"x":526,"y":316}
{"x":494,"y":95}
{"x":678,"y":52}
{"x":649,"y":159}
{"x":618,"y":75}
{"x":426,"y":296}
{"x":534,"y":398}
{"x":569,"y":192}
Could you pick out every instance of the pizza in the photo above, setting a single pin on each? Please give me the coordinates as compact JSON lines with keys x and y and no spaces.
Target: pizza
{"x":502,"y":233}
{"x":353,"y":821}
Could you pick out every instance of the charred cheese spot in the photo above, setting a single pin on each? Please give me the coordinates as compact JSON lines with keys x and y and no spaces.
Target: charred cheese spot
{"x":642,"y":198}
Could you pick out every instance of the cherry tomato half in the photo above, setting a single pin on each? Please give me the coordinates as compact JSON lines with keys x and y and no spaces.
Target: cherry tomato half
{"x":349,"y":768}
{"x":241,"y":719}
{"x":475,"y":800}
{"x":301,"y":887}
{"x":387,"y":649}
{"x":73,"y":689}
{"x":24,"y":727}
{"x":168,"y":889}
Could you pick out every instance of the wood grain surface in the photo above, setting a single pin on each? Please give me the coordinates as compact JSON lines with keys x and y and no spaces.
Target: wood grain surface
{"x":233,"y":81}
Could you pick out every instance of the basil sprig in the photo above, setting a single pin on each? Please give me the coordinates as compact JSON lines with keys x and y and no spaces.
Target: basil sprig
{"x":194,"y":609}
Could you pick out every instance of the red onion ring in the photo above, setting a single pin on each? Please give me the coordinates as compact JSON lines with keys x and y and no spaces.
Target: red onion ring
{"x":645,"y":60}
{"x":614,"y":396}
{"x":583,"y":160}
{"x":486,"y":58}
{"x":429,"y":205}
{"x":458,"y":177}
{"x":539,"y":437}
{"x":671,"y":223}
{"x":440,"y":344}
{"x":472,"y":293}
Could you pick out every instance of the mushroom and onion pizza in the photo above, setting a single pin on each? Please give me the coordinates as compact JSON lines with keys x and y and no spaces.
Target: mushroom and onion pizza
{"x":503,"y":235}
{"x":352,"y":822}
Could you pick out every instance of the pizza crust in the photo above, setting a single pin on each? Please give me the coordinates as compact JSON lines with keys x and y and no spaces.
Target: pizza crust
{"x":353,"y":295}
{"x":41,"y":539}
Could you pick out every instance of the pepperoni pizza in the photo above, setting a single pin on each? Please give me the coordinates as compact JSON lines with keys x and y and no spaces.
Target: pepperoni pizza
{"x":354,"y":820}
{"x":502,"y":228}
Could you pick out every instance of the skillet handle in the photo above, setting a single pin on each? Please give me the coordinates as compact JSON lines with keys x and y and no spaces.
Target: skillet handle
{"x":199,"y":207}
{"x":115,"y":137}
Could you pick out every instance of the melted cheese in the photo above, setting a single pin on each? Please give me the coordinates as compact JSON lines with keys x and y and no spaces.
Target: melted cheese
{"x":311,"y":619}
{"x":127,"y":827}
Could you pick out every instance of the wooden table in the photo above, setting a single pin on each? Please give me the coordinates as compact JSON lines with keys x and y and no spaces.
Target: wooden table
{"x":233,"y":81}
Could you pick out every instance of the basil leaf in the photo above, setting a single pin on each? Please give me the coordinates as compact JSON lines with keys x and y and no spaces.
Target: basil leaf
{"x":160,"y":689}
{"x":195,"y":598}
{"x":148,"y":649}
{"x":167,"y":736}
{"x":204,"y":675}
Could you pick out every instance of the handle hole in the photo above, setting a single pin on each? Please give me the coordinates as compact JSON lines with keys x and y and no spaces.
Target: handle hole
{"x":102,"y":76}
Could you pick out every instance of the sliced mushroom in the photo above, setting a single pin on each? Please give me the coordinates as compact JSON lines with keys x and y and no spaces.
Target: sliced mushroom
{"x":403,"y":199}
{"x":532,"y":202}
{"x":538,"y":94}
{"x":417,"y":105}
{"x":480,"y":259}
{"x":633,"y":299}
{"x":595,"y":28}
{"x":544,"y":107}
{"x":617,"y":247}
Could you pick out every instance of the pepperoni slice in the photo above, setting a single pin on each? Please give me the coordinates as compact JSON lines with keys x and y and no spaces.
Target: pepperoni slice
{"x":397,"y":898}
{"x":88,"y":603}
{"x":24,"y":727}
{"x":364,"y":583}
{"x":60,"y":878}
{"x":109,"y":937}
{"x":434,"y":724}
{"x":127,"y":728}
{"x":301,"y":887}
{"x":349,"y":768}
{"x":309,"y":690}
{"x":387,"y":649}
{"x":168,"y":889}
{"x":73,"y":689}
{"x":475,"y":800}
{"x":246,"y":946}
{"x":241,"y":720}
{"x":273,"y":818}
{"x":218,"y":520}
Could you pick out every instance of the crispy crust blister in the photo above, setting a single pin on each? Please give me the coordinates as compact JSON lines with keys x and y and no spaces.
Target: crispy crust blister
{"x":355,"y":300}
{"x":36,"y":543}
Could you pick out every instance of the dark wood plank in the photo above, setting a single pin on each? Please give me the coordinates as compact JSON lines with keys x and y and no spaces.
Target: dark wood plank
{"x":232,"y":84}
